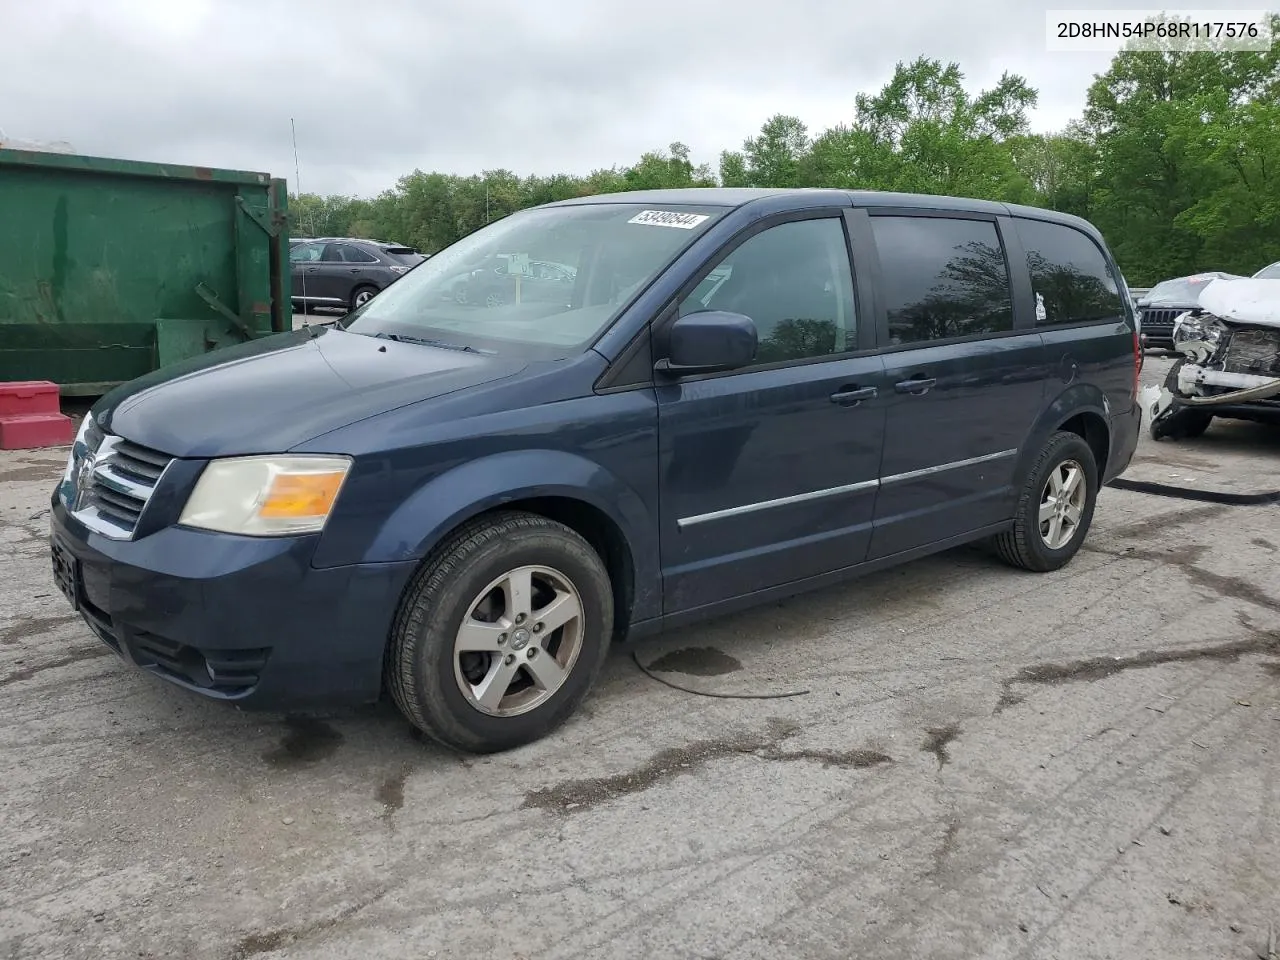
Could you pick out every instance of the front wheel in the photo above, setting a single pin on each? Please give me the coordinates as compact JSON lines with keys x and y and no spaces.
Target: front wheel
{"x":501,"y":634}
{"x":1055,"y":507}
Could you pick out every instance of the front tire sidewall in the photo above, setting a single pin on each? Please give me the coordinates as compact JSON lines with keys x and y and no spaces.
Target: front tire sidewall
{"x":449,"y":716}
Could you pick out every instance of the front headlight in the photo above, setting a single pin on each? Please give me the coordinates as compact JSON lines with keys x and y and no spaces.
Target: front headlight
{"x":1204,"y":327}
{"x":266,"y":496}
{"x":78,"y":446}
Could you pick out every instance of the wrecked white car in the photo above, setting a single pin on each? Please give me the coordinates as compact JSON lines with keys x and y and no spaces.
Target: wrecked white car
{"x":1230,"y":363}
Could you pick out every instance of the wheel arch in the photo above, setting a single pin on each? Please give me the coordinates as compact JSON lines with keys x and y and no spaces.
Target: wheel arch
{"x":560,"y":486}
{"x":1081,"y":409}
{"x":1093,"y":428}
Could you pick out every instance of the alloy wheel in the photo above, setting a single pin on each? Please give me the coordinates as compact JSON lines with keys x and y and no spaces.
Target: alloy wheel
{"x":1062,"y":504}
{"x":519,"y":641}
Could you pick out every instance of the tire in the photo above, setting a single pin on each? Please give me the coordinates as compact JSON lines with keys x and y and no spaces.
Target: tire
{"x":440,"y":690}
{"x":1025,"y":545}
{"x":362,"y":295}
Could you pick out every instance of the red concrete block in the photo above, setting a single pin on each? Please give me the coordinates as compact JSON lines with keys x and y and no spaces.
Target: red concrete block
{"x":36,"y":430}
{"x":25,"y":397}
{"x":30,"y":416}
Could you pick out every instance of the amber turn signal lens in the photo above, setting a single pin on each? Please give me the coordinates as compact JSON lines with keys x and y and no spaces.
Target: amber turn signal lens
{"x":296,"y":495}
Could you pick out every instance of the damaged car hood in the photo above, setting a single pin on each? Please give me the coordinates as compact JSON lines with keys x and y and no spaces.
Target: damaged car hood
{"x":1255,"y":302}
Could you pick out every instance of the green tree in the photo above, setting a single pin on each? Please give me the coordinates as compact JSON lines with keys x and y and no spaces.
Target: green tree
{"x":1186,"y":146}
{"x":774,"y":158}
{"x":665,"y":171}
{"x":924,"y":133}
{"x":1062,"y":168}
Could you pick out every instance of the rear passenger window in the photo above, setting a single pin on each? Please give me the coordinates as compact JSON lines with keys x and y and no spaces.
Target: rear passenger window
{"x":793,"y":281}
{"x":1069,"y":277}
{"x":346,"y":253}
{"x":942,"y":278}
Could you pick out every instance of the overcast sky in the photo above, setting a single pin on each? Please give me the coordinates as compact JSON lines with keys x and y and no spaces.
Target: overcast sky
{"x":380,"y":88}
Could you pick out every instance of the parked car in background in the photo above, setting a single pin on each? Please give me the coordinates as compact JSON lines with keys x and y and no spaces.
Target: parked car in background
{"x":1167,"y":301}
{"x":344,"y":272}
{"x":750,"y":393}
{"x":508,"y":279}
{"x":1271,"y":272}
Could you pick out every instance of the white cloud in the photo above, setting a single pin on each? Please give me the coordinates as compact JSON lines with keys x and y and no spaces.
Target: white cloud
{"x":380,"y":88}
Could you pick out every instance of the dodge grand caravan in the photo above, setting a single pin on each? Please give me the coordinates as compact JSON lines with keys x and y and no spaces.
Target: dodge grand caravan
{"x":743,"y":395}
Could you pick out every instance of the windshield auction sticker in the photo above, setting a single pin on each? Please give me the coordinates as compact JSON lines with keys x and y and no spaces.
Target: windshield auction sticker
{"x":666,"y":218}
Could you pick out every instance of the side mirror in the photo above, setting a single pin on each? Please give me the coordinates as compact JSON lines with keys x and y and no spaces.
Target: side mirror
{"x":709,"y":341}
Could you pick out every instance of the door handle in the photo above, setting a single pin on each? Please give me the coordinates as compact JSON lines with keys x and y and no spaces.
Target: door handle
{"x":916,"y":387}
{"x":312,"y":269}
{"x":851,"y":396}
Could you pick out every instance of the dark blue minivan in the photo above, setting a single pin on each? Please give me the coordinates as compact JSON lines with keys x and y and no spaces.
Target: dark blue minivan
{"x":738,"y":395}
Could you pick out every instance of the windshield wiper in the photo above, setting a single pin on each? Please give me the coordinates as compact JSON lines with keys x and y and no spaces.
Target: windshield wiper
{"x":426,"y":341}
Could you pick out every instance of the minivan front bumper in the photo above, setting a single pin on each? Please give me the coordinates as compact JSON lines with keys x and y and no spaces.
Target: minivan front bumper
{"x":241,"y":619}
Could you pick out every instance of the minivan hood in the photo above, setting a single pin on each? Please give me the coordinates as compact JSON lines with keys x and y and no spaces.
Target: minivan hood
{"x":270,"y":395}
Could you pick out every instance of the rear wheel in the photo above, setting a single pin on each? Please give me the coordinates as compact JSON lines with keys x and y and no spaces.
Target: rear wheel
{"x":501,"y":634}
{"x":362,"y":295}
{"x":1055,"y":507}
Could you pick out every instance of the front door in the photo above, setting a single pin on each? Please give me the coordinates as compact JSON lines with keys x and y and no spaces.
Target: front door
{"x":304,"y":262}
{"x":769,"y":473}
{"x":965,"y":385}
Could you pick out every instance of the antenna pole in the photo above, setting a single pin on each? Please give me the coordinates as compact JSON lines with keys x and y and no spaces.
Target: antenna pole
{"x":297,"y":185}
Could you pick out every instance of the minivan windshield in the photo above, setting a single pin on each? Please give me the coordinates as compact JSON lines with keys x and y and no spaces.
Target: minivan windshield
{"x":542,"y":283}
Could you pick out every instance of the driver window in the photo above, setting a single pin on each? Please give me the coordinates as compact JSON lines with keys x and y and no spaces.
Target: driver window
{"x":793,"y":281}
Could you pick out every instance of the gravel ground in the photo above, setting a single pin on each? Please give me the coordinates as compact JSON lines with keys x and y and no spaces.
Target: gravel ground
{"x":985,"y":764}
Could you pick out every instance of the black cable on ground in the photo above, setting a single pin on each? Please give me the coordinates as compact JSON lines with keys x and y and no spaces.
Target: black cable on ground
{"x":1191,"y":493}
{"x":720,"y":696}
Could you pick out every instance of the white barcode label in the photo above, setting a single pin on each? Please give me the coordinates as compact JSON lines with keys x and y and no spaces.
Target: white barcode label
{"x":668,"y":218}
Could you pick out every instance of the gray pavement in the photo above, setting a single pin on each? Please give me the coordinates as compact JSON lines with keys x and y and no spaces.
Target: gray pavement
{"x":986,"y":764}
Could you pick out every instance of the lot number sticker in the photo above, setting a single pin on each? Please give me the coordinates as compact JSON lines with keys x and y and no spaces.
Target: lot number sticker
{"x":667,"y":218}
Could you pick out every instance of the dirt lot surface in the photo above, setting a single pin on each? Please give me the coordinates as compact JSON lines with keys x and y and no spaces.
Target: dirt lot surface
{"x":986,"y":764}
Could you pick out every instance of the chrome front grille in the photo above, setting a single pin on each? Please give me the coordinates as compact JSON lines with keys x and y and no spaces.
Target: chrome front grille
{"x":1161,"y":316}
{"x":110,"y":482}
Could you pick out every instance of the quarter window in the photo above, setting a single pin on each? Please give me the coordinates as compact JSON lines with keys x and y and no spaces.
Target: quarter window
{"x":793,"y":281}
{"x":942,"y":278}
{"x":353,"y":254}
{"x":1069,"y":276}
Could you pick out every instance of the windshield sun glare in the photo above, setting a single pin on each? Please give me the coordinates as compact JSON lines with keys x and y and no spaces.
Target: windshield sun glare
{"x":545,"y":281}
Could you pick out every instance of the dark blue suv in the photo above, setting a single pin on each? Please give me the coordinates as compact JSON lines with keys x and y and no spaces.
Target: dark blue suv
{"x":743,"y":394}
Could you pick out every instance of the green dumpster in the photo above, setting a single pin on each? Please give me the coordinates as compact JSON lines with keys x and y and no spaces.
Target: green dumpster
{"x":110,"y":269}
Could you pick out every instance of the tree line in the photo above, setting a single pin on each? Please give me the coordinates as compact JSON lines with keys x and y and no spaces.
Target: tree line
{"x":1176,"y":159}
